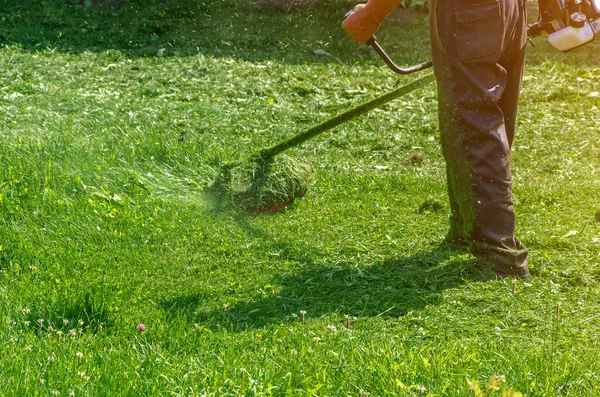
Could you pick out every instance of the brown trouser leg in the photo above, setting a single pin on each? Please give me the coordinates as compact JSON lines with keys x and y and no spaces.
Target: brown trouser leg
{"x":478,"y":52}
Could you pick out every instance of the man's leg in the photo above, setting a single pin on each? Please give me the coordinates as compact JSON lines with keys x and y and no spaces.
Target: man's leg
{"x":477,"y":50}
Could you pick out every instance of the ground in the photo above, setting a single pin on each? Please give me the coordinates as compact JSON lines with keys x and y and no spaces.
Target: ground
{"x":121,"y":273}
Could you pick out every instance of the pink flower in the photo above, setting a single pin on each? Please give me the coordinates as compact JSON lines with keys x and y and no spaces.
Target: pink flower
{"x":141,"y":327}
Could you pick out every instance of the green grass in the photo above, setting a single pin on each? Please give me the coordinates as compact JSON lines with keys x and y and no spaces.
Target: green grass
{"x":106,"y":151}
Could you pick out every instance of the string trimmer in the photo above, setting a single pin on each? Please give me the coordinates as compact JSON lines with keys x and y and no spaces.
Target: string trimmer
{"x":271,"y":180}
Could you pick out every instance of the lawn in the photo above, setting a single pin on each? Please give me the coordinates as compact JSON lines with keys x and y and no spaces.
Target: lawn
{"x":123,"y":274}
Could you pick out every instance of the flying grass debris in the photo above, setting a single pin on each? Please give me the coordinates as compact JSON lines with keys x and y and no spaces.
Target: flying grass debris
{"x":260,"y":185}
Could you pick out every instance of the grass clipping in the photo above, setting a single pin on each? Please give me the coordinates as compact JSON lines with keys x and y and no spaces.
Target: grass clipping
{"x":260,"y":185}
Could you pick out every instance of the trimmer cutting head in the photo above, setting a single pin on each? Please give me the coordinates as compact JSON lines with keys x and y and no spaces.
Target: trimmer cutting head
{"x":260,"y":185}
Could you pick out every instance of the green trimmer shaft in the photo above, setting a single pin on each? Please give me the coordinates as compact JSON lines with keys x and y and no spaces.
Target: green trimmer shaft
{"x":271,"y":180}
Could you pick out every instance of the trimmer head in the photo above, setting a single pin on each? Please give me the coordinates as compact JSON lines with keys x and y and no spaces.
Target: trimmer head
{"x":260,"y":185}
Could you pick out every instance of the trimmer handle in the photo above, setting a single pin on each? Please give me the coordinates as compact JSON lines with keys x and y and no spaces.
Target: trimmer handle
{"x":388,"y":61}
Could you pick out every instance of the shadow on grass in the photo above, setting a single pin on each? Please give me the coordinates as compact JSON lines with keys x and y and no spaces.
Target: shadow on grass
{"x":149,"y":28}
{"x":76,"y":26}
{"x":391,"y":288}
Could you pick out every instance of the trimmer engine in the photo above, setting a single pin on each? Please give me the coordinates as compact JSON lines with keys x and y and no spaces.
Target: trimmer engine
{"x":569,"y":23}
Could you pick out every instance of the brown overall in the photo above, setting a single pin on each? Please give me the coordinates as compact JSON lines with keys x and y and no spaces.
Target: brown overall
{"x":478,"y":53}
